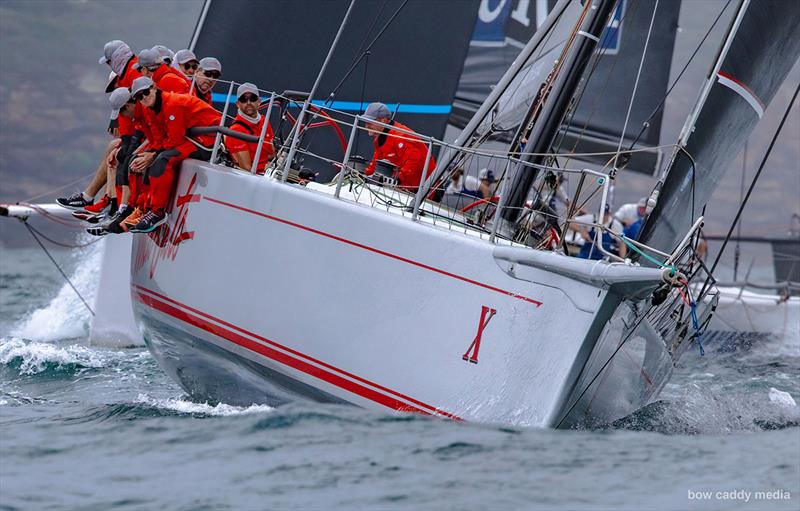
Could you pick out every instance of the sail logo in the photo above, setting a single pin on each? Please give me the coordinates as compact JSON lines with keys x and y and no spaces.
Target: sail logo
{"x":471,"y":355}
{"x":167,"y":239}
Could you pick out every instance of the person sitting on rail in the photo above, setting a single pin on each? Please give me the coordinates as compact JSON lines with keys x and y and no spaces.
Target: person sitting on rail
{"x":206,"y":77}
{"x":119,"y":57}
{"x":488,"y":183}
{"x":185,"y":62}
{"x":175,"y":114}
{"x":250,"y":122}
{"x":166,"y":78}
{"x":628,"y":214}
{"x":164,"y":53}
{"x":397,"y":144}
{"x":464,"y":185}
{"x":609,"y":243}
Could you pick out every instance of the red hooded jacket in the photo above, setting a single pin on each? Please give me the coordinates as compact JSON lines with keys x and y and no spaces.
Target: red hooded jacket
{"x":406,"y":151}
{"x":235,"y":145}
{"x":127,"y":77}
{"x":170,"y":79}
{"x":179,"y":112}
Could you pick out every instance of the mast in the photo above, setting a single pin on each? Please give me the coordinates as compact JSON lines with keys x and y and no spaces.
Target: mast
{"x":547,"y":122}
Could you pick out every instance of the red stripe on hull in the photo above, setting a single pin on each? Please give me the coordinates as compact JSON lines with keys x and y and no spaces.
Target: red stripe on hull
{"x":418,"y":264}
{"x":294,"y":362}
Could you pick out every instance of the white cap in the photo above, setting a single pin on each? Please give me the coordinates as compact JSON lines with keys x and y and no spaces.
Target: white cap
{"x":118,"y":99}
{"x":140,"y":84}
{"x":486,"y":174}
{"x":245,"y":88}
{"x":109,"y":49}
{"x":163,"y":52}
{"x":210,"y":64}
{"x":184,"y":56}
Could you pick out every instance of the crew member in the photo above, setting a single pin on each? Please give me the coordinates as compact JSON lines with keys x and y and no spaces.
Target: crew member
{"x":397,"y":144}
{"x":166,"y":78}
{"x":185,"y":62}
{"x":176,"y":113}
{"x":628,"y":214}
{"x":164,"y":53}
{"x":610,"y":244}
{"x":208,"y":73}
{"x":250,"y":122}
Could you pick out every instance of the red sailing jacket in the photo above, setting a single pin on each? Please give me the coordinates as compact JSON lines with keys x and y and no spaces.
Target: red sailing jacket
{"x":404,"y":150}
{"x":125,"y":80}
{"x":179,"y":112}
{"x":146,"y":121}
{"x":170,"y":79}
{"x":235,"y":145}
{"x":205,"y":96}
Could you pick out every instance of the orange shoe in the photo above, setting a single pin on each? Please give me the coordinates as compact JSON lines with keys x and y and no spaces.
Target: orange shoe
{"x":132,"y":220}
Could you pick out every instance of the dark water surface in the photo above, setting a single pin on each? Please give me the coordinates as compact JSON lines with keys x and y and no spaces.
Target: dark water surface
{"x":84,"y":427}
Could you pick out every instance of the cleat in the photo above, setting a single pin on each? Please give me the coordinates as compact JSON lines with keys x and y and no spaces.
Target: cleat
{"x":149,"y":222}
{"x":101,"y":206}
{"x":74,"y":202}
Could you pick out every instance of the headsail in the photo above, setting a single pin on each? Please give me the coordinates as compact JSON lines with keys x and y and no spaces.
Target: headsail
{"x":761,"y":49}
{"x":413,"y":67}
{"x":596,"y":123}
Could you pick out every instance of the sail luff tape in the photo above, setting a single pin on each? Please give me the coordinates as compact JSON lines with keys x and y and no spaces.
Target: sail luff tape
{"x":590,"y":36}
{"x":743,"y":91}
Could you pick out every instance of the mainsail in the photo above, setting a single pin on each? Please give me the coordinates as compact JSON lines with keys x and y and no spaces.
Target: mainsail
{"x":761,"y":48}
{"x":279,"y":45}
{"x":596,"y":122}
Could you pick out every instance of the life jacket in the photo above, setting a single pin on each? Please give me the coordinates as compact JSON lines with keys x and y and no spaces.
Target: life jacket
{"x":235,"y":145}
{"x":170,"y":80}
{"x":406,"y":151}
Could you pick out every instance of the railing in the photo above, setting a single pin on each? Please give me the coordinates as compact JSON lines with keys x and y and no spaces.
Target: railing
{"x":542,"y":223}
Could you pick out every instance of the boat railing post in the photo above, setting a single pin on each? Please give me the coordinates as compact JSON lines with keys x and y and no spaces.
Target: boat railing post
{"x":191,"y":87}
{"x":221,"y":124}
{"x":500,"y":204}
{"x":254,"y":167}
{"x":346,"y":160}
{"x":421,"y":189}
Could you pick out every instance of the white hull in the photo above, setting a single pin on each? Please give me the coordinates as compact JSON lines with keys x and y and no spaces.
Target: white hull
{"x":262,"y":291}
{"x":740,"y":310}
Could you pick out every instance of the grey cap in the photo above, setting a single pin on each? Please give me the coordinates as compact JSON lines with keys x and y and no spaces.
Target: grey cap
{"x":147,"y":58}
{"x":487,"y":175}
{"x":377,"y":111}
{"x":184,"y":56}
{"x":210,"y":64}
{"x":163,"y":52}
{"x":118,"y":98}
{"x":112,"y":82}
{"x":245,"y":88}
{"x":109,"y":49}
{"x":141,"y":84}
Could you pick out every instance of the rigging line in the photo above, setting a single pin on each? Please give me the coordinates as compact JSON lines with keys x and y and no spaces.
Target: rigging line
{"x":597,"y":57}
{"x":636,"y":85}
{"x":71,"y":183}
{"x":646,"y":123}
{"x":31,"y":230}
{"x":59,"y":243}
{"x":752,"y":186}
{"x":737,"y":251}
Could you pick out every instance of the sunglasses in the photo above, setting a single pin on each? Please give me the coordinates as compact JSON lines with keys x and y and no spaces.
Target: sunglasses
{"x":190,"y":65}
{"x":141,"y":94}
{"x":249,"y":98}
{"x":212,"y":74}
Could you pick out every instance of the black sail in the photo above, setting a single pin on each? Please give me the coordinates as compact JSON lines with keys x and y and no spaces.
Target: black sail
{"x":597,"y":121}
{"x":763,"y":51}
{"x":280,"y":44}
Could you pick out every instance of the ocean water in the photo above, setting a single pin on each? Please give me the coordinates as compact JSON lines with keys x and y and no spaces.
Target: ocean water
{"x":87,"y":427}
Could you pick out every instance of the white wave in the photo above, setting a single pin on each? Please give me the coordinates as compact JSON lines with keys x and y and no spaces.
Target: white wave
{"x":66,"y":316}
{"x":189,"y":407}
{"x":781,"y":398}
{"x":37,"y":356}
{"x":3,"y":402}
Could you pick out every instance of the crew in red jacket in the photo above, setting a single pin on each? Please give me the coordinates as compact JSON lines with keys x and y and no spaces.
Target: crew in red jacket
{"x":206,"y":77}
{"x":398,"y":145}
{"x":176,"y":113}
{"x":166,"y":78}
{"x":250,"y":122}
{"x":186,"y":63}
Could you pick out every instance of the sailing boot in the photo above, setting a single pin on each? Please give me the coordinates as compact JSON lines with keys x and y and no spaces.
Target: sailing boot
{"x":77,"y":201}
{"x":150,"y":221}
